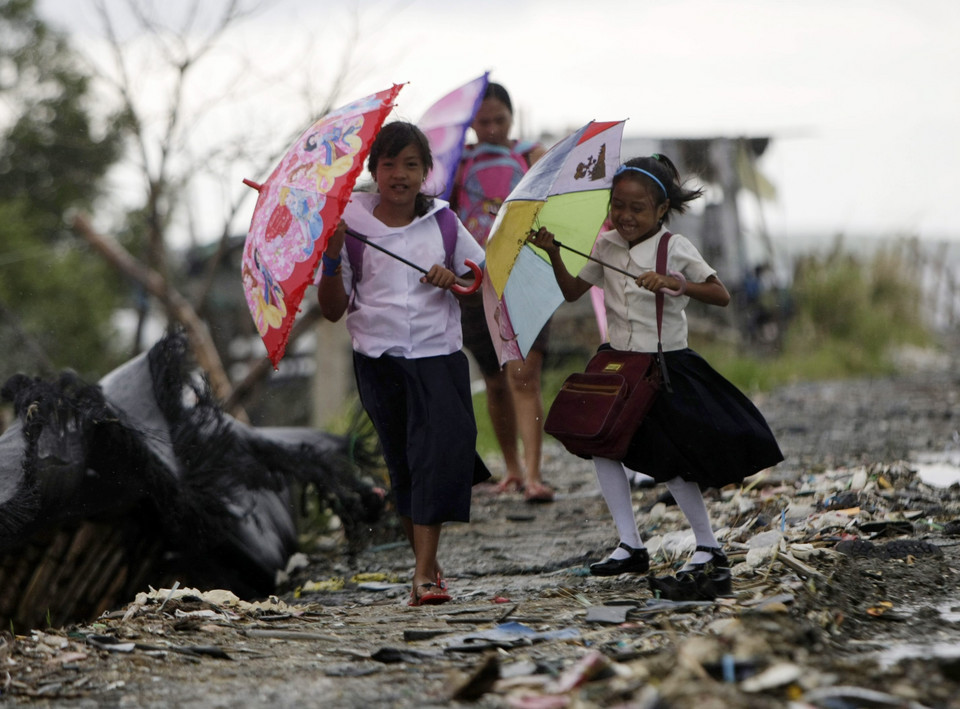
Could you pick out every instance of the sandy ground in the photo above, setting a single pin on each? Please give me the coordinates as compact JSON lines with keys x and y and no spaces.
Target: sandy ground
{"x":806,"y":625}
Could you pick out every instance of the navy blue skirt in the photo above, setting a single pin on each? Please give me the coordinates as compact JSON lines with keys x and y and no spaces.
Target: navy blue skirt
{"x":423,"y":413}
{"x":706,"y":431}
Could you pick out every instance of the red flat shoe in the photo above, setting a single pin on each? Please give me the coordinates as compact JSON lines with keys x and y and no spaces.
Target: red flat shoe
{"x":430,"y":598}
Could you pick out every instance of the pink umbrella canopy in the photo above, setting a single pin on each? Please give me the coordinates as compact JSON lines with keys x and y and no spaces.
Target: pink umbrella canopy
{"x":298,"y":207}
{"x":445,"y":124}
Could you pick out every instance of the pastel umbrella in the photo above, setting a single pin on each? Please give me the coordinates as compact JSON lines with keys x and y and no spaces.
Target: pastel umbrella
{"x":567,"y":191}
{"x":298,"y":207}
{"x":445,"y":124}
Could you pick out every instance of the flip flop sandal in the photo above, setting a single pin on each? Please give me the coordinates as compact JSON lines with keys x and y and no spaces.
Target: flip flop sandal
{"x":538,"y":494}
{"x":508,"y":485}
{"x":430,"y":598}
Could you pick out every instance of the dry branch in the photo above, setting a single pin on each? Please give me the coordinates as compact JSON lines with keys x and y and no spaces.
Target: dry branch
{"x":177,"y":306}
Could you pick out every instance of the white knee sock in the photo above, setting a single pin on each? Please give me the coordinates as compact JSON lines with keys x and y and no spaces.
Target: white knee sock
{"x":615,"y":489}
{"x":690,"y":501}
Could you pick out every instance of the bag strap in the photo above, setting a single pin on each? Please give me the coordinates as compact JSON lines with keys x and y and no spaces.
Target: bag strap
{"x":524,"y":148}
{"x":662,"y":269}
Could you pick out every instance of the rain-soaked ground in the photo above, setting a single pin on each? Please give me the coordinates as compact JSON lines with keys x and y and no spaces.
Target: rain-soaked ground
{"x":846,"y":593}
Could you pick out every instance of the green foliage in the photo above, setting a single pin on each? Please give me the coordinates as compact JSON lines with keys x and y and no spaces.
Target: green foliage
{"x":859,"y":307}
{"x":850,"y":313}
{"x":54,"y":151}
{"x":314,"y":517}
{"x":56,"y":297}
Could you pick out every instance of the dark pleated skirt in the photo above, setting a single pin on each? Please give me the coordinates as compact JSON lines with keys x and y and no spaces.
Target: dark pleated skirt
{"x":706,"y":431}
{"x":423,"y":413}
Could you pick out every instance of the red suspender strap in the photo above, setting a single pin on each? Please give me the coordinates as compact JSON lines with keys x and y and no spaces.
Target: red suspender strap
{"x":662,"y":268}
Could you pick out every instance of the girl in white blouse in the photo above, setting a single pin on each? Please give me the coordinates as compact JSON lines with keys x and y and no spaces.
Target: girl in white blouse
{"x":705,"y":433}
{"x":411,"y":372}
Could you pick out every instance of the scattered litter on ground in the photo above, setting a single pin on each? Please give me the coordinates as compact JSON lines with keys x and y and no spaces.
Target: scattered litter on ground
{"x":845,"y":563}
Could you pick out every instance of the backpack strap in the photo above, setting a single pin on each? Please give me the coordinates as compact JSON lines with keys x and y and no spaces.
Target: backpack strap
{"x":523,"y":147}
{"x":475,"y":151}
{"x":481,"y":152}
{"x":662,"y":268}
{"x":355,"y":249}
{"x":446,"y":220}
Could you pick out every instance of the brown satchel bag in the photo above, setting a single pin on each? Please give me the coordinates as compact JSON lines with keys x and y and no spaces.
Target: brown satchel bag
{"x":596,"y":412}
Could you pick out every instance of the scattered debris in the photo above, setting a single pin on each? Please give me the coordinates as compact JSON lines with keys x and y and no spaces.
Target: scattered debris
{"x":144,"y":479}
{"x":835,"y":602}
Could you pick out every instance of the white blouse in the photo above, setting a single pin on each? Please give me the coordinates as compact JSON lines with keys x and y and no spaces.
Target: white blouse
{"x":631,"y":310}
{"x":391,"y":312}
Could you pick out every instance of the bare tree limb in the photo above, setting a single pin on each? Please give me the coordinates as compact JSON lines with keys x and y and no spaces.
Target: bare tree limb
{"x":200,"y":340}
{"x":181,"y":57}
{"x":177,"y":46}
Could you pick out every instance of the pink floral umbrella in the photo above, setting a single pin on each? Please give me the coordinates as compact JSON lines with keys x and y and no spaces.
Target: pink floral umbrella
{"x":299,"y":206}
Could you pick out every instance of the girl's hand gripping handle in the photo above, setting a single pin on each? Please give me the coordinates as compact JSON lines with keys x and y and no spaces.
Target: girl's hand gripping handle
{"x":683,"y":284}
{"x":477,"y":280}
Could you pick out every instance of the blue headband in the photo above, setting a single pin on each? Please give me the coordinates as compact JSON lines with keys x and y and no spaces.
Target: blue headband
{"x":624,"y":168}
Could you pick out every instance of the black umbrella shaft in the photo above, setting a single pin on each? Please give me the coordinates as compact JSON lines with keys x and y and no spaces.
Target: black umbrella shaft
{"x":602,"y":263}
{"x":365,"y":240}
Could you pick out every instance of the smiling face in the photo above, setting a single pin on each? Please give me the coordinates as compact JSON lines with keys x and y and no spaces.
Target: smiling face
{"x":492,"y":122}
{"x":634,"y":211}
{"x":400,"y":177}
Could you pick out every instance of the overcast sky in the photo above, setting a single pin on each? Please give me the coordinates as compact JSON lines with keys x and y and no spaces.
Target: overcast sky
{"x":862,"y":98}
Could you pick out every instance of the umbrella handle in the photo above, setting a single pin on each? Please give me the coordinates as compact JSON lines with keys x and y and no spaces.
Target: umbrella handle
{"x":477,"y":280}
{"x":683,"y":284}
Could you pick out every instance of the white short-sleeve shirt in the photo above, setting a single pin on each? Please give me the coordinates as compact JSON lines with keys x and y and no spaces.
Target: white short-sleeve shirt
{"x":391,"y":311}
{"x":631,"y":310}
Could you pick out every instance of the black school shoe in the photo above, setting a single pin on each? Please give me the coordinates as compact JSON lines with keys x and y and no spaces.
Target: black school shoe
{"x":696,"y":582}
{"x":637,"y":563}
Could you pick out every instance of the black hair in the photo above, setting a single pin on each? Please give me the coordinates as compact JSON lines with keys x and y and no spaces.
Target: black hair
{"x":666,"y":173}
{"x":500,"y":94}
{"x":393,"y":138}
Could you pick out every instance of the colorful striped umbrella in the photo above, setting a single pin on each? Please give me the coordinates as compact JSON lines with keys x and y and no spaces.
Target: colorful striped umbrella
{"x":568,"y":192}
